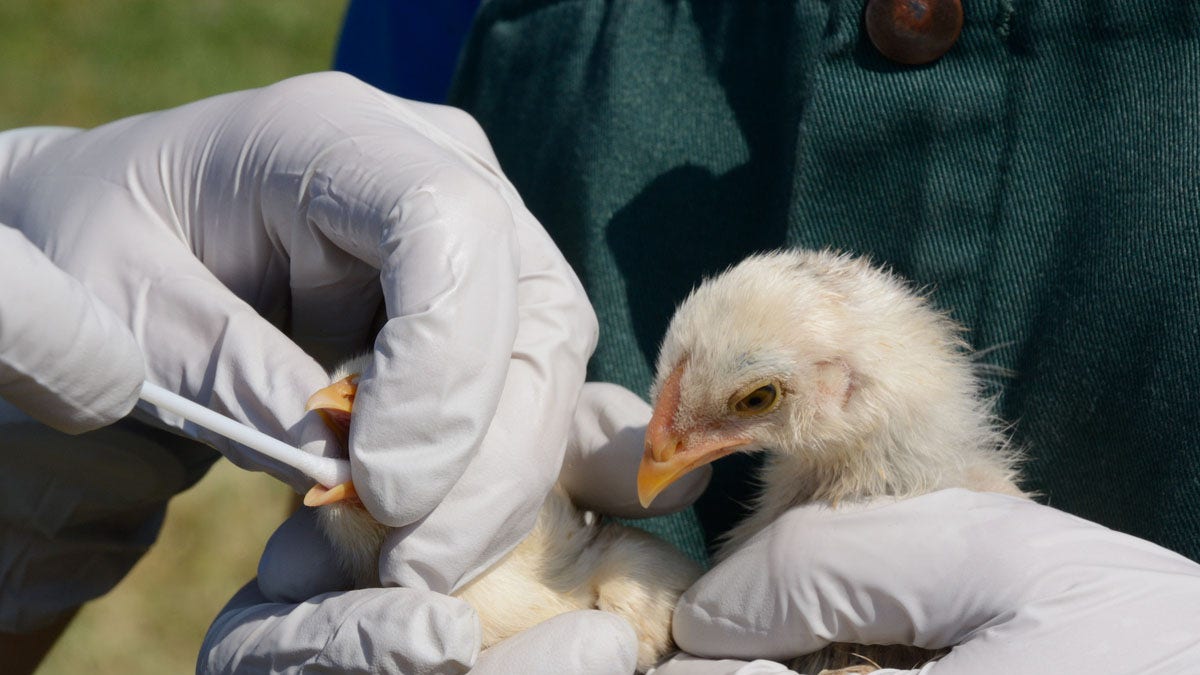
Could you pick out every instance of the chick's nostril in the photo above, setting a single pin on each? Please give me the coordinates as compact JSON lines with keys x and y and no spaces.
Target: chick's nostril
{"x":662,"y":441}
{"x":665,"y":449}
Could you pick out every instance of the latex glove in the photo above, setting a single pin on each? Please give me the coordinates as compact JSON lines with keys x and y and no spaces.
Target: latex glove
{"x":1018,"y":587}
{"x":686,"y":664}
{"x":287,"y":621}
{"x":293,"y":617}
{"x":314,"y":203}
{"x":75,"y":368}
{"x":404,"y":631}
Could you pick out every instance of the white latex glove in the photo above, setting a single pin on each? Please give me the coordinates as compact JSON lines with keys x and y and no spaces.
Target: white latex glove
{"x":65,"y":359}
{"x":293,"y":619}
{"x":1018,"y":587}
{"x":294,"y":616}
{"x":314,"y":203}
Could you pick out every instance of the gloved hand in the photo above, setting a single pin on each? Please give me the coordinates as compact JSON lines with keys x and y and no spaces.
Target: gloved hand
{"x":76,"y":368}
{"x":232,"y":232}
{"x":1018,"y":587}
{"x":296,"y":615}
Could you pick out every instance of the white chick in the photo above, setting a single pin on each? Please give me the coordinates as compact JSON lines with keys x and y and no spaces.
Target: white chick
{"x":850,"y":382}
{"x":570,"y":561}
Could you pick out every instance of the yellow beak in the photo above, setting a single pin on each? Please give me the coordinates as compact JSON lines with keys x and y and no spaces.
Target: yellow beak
{"x":334,"y":404}
{"x":319,"y":495}
{"x":655,"y":475}
{"x":670,"y":454}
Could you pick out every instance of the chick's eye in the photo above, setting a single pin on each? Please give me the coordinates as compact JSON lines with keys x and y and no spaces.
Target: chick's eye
{"x":759,"y":400}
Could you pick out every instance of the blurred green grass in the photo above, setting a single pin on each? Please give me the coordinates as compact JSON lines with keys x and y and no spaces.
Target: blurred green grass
{"x":86,"y":62}
{"x":153,"y":622}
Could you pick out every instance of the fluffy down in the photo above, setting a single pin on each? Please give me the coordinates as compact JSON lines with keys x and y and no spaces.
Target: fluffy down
{"x":570,"y":561}
{"x":849,"y":381}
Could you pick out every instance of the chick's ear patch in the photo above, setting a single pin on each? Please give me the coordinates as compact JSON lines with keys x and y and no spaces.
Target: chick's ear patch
{"x":834,"y":383}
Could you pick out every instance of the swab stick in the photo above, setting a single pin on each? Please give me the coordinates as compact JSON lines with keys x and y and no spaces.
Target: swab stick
{"x":327,"y":471}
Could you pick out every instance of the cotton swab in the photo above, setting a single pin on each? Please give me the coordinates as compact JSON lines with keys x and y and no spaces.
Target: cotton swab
{"x":327,"y":471}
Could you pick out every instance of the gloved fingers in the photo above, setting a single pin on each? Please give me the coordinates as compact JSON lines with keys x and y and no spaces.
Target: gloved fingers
{"x":488,"y":511}
{"x":495,"y":502}
{"x":17,"y":145}
{"x":943,"y":569}
{"x":207,"y":344}
{"x":172,"y":264}
{"x":298,"y":562}
{"x":686,"y":664}
{"x":586,"y":642}
{"x":378,"y":630}
{"x":604,"y":450}
{"x":1102,"y":634}
{"x":371,"y":173}
{"x":458,"y":125}
{"x":76,"y":368}
{"x":859,"y":574}
{"x":371,"y":204}
{"x":449,"y":281}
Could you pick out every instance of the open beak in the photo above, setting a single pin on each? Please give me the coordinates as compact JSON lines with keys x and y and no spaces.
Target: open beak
{"x":319,"y":495}
{"x":670,"y":454}
{"x":334,"y":404}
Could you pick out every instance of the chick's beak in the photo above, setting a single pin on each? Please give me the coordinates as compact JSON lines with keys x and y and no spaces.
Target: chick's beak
{"x":678,"y":457}
{"x":671,"y":454}
{"x":334,"y":404}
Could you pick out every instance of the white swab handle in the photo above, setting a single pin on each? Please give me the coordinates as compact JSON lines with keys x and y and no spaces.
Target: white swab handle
{"x":327,"y":471}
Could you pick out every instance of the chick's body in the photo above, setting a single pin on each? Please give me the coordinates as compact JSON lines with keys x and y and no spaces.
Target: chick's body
{"x":848,"y":380}
{"x":570,"y":561}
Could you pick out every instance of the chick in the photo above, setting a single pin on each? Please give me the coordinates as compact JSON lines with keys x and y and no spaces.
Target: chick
{"x":570,"y":561}
{"x":851,"y":384}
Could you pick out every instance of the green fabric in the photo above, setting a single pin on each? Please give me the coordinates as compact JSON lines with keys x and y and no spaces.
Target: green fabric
{"x":1043,"y":179}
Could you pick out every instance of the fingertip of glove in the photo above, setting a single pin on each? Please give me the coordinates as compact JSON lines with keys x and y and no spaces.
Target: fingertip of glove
{"x":696,"y":631}
{"x":457,"y":626}
{"x":280,"y":579}
{"x":589,"y":642}
{"x":614,"y":403}
{"x":620,"y":652}
{"x":440,"y":633}
{"x":392,"y":512}
{"x":391,"y":492}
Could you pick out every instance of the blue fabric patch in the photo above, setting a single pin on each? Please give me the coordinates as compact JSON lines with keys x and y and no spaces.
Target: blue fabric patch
{"x":406,"y":47}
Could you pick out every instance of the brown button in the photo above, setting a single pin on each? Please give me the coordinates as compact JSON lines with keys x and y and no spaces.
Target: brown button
{"x":914,"y":32}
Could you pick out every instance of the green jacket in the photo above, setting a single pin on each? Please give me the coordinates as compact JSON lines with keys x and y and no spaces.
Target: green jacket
{"x":1042,"y":179}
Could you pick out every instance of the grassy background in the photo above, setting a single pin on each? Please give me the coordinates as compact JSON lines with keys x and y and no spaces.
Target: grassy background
{"x":86,"y":62}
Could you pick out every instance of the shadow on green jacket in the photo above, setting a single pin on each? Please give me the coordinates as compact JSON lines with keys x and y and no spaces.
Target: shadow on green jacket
{"x":1042,"y":179}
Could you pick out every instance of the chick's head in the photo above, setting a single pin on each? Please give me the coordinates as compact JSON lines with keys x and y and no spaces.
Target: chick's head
{"x":799,"y":353}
